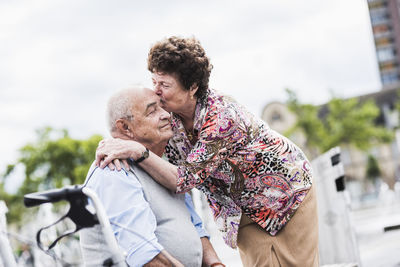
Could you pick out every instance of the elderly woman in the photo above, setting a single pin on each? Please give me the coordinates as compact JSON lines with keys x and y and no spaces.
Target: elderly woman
{"x":257,"y":182}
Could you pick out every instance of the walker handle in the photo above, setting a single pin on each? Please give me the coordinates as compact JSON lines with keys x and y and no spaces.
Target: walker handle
{"x":50,"y":196}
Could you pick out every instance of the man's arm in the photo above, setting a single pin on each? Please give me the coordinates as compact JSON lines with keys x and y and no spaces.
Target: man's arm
{"x":209,"y":255}
{"x":195,"y":218}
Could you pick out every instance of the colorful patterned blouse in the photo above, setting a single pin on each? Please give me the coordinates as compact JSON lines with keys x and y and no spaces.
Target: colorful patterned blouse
{"x":241,"y":165}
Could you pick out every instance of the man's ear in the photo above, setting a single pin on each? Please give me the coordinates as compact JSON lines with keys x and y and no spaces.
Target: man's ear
{"x":123,"y":128}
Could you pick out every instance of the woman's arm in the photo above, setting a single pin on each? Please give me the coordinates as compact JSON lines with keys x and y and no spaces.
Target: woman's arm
{"x":162,"y":171}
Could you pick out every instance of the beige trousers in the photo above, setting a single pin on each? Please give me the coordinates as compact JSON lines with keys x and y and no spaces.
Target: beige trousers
{"x":296,"y":244}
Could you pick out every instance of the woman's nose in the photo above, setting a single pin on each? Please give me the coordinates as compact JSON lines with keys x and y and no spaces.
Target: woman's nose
{"x":157,"y":90}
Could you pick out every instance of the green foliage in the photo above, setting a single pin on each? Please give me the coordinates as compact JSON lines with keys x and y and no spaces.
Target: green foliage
{"x":373,"y":171}
{"x":347,"y":122}
{"x":307,"y":121}
{"x":52,"y":161}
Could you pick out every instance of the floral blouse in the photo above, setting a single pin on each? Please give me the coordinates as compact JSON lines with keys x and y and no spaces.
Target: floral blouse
{"x":241,"y":165}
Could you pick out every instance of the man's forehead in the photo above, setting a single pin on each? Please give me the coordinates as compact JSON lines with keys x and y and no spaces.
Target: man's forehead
{"x":149,"y":94}
{"x":144,"y":98}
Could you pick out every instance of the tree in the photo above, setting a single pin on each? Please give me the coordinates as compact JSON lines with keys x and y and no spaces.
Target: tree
{"x":373,"y":170}
{"x":346,"y":122}
{"x":52,"y":161}
{"x":308,"y":123}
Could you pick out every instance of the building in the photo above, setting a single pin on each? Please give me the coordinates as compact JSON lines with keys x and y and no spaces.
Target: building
{"x":385,"y":23}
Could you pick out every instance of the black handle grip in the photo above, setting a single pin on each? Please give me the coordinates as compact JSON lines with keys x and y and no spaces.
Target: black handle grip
{"x":50,"y":196}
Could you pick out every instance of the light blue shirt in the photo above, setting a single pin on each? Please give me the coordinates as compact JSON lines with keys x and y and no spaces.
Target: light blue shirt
{"x":123,"y":199}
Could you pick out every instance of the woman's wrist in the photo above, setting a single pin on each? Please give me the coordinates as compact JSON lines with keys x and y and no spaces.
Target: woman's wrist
{"x":136,"y":150}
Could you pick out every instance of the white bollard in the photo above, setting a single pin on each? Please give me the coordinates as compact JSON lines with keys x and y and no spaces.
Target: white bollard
{"x":337,"y":241}
{"x":6,"y":254}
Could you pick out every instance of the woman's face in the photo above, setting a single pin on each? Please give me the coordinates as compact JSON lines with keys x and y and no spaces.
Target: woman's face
{"x":173,"y":96}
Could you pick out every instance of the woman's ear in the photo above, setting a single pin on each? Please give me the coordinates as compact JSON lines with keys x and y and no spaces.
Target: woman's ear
{"x":193,"y":89}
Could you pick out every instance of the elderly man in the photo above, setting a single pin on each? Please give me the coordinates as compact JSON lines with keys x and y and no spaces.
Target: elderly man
{"x":154,"y":227}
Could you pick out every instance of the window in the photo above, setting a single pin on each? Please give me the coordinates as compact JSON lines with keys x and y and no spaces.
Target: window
{"x":388,"y":78}
{"x":385,"y":54}
{"x":275,"y":117}
{"x":378,"y":18}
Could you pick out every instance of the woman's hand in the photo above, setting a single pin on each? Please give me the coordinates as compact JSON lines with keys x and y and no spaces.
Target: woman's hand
{"x":115,"y":148}
{"x":116,"y":164}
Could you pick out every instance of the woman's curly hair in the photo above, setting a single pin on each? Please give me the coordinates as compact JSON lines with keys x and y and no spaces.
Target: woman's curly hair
{"x":184,"y":57}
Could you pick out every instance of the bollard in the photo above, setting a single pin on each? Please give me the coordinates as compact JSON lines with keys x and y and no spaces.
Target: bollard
{"x":6,"y":254}
{"x":337,"y":241}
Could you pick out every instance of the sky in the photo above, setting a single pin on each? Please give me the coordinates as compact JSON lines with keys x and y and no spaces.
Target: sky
{"x":61,"y":60}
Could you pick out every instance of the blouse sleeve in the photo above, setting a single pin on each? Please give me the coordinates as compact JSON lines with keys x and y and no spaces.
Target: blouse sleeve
{"x":220,"y":135}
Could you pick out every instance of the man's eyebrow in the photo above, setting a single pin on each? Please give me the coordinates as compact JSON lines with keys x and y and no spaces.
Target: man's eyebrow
{"x":150,"y":105}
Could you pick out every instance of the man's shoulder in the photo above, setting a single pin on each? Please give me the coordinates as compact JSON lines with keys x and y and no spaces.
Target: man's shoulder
{"x":98,"y":175}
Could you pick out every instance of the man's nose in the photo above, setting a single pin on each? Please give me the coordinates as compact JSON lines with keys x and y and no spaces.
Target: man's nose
{"x":165,"y":115}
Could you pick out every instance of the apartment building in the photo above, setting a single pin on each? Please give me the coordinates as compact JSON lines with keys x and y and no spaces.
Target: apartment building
{"x":385,"y":24}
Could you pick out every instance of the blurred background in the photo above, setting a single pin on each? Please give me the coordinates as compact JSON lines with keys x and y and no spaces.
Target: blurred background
{"x":324,"y":73}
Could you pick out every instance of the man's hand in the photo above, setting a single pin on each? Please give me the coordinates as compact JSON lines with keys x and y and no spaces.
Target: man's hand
{"x":163,"y":259}
{"x":210,"y":257}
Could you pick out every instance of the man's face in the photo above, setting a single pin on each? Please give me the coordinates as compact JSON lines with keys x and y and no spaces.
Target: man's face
{"x":151,"y":124}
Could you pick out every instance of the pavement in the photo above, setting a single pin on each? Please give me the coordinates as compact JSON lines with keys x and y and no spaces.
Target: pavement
{"x":230,"y":257}
{"x":377,"y":248}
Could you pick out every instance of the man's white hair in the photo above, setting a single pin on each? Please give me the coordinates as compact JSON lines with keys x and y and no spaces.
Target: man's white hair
{"x":120,"y":105}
